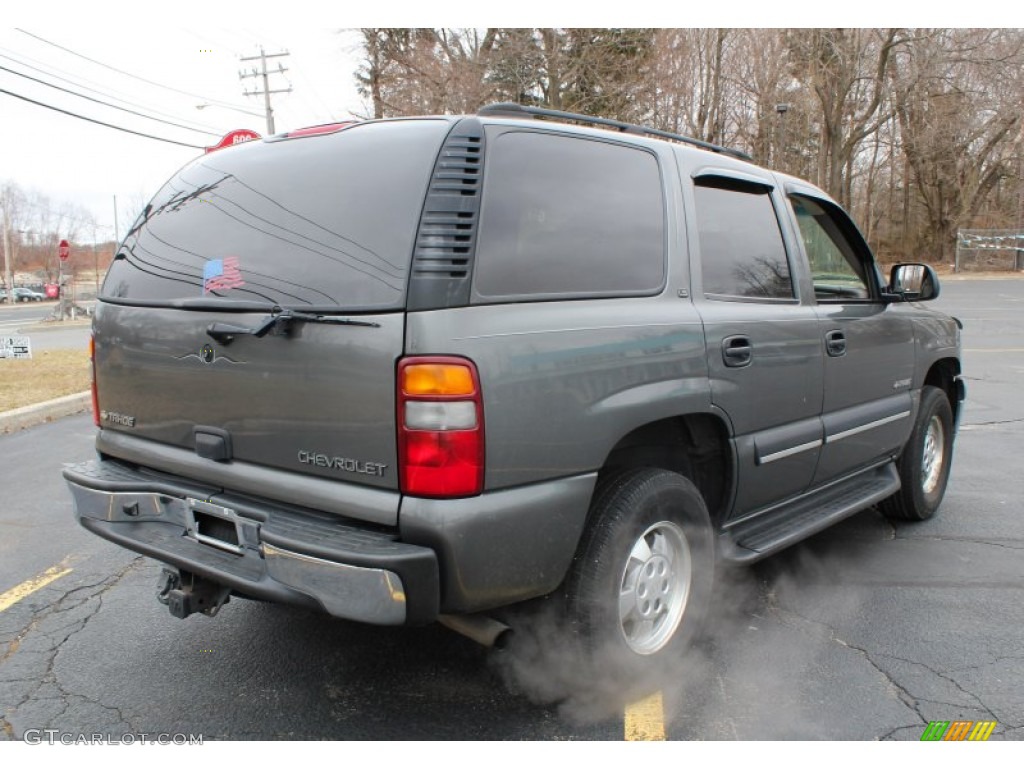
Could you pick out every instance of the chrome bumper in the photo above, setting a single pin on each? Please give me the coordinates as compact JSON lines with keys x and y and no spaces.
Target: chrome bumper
{"x":276,"y":554}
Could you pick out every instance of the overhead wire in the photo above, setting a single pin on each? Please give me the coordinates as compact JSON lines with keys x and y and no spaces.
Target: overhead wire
{"x":99,"y":122}
{"x":104,"y":103}
{"x":81,"y":82}
{"x":129,"y":74}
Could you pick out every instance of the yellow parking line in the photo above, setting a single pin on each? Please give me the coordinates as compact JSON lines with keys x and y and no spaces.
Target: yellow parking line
{"x":645,"y":719}
{"x":23,"y":590}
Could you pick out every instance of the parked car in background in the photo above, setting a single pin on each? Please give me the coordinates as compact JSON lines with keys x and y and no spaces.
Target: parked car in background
{"x":21,"y":294}
{"x":27,"y":294}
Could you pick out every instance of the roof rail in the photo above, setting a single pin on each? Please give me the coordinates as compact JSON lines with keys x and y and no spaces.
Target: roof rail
{"x":510,"y":109}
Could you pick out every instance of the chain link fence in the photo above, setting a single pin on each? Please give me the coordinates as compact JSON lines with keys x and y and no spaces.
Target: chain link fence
{"x":989,"y":250}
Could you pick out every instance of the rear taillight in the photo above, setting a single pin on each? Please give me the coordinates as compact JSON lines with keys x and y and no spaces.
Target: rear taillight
{"x":92,"y":372}
{"x":440,"y":427}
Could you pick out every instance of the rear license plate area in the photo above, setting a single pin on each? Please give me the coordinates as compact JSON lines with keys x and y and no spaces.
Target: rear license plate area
{"x":213,"y":525}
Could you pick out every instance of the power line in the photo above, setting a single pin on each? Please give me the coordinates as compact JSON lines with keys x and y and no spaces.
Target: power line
{"x":129,"y":74}
{"x":52,"y":72}
{"x":104,"y":103}
{"x":99,"y":122}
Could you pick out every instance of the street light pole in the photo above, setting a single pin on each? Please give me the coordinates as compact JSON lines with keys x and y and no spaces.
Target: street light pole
{"x":782,"y":109}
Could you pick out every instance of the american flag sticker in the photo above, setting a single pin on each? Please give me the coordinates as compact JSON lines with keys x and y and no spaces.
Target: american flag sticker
{"x":222,"y":275}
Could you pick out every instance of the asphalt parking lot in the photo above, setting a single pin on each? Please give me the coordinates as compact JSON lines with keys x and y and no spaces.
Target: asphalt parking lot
{"x":867,"y":631}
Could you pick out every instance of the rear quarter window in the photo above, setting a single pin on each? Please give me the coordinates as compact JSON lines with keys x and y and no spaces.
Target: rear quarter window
{"x":569,"y":217}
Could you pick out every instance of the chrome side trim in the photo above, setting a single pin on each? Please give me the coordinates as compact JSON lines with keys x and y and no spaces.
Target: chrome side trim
{"x":768,"y":459}
{"x":865,"y":427}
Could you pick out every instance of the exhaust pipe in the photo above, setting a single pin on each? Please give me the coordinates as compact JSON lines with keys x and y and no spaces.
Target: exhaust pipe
{"x":478,"y":628}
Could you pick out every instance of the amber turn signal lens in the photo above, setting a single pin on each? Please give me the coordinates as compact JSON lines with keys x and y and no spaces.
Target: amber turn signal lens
{"x":437,"y":379}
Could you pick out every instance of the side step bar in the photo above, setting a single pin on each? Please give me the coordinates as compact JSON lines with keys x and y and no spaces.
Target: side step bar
{"x":764,"y":533}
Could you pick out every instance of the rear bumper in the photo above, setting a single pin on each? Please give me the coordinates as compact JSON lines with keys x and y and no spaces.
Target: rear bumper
{"x":272,"y":552}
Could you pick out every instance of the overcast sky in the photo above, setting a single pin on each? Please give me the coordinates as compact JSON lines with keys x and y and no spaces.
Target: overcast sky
{"x":69,"y":159}
{"x":177,"y":56}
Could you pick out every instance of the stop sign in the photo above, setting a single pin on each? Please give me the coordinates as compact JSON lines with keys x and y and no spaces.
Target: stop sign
{"x":64,"y":250}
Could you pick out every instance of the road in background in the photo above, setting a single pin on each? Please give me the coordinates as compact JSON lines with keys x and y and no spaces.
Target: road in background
{"x":22,"y":319}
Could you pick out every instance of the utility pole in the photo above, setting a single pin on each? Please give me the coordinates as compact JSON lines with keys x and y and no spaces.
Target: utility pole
{"x":266,"y":82}
{"x":5,"y":205}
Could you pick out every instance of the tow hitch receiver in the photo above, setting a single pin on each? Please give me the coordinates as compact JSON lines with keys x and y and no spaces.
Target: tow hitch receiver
{"x":185,"y":593}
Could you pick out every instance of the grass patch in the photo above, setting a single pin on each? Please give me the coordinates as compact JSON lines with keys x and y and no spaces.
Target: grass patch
{"x":50,"y":373}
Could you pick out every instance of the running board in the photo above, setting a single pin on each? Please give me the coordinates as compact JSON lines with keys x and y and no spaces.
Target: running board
{"x":765,"y":533}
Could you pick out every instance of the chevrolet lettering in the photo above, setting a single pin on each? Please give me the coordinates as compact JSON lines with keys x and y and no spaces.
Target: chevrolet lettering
{"x":346,"y":465}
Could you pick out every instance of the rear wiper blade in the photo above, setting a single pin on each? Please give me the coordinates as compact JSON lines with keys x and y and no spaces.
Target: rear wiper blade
{"x":279,"y":319}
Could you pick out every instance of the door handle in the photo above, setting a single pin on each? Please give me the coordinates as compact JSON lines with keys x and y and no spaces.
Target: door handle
{"x":835,"y":343}
{"x":737,"y":351}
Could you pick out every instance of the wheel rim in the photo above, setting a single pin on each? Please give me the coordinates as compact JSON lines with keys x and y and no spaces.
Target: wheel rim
{"x":654,"y":588}
{"x":932,"y":457}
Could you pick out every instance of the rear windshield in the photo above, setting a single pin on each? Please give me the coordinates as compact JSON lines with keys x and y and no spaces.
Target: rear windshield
{"x":325,"y":222}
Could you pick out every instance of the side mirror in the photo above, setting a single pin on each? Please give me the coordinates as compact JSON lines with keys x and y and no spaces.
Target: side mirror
{"x":912,"y":282}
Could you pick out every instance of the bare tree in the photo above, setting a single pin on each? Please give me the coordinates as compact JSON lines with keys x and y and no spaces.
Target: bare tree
{"x":425,"y":71}
{"x":847,"y":71}
{"x":958,"y":103}
{"x":917,"y":132}
{"x":690,"y":81}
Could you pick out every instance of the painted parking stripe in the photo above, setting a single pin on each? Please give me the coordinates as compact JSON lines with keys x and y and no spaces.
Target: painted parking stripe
{"x":645,"y":719}
{"x":23,"y":590}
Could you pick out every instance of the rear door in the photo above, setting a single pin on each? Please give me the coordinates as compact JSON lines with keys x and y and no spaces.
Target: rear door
{"x":764,"y":349}
{"x":323,"y":225}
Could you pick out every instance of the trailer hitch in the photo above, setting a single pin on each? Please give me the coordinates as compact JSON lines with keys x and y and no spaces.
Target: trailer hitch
{"x":185,"y":593}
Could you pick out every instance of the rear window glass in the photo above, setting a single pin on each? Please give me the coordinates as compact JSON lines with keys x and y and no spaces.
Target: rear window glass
{"x":567,"y":216}
{"x":323,"y":222}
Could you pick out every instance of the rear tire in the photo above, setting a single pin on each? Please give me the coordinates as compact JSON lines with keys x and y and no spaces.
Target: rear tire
{"x":641,"y":580}
{"x":924,"y":464}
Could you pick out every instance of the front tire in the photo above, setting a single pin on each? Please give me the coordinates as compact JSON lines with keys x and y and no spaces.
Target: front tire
{"x":641,"y":581}
{"x":925,"y":462}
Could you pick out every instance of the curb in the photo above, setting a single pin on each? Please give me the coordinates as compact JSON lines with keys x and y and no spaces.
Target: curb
{"x":30,"y":415}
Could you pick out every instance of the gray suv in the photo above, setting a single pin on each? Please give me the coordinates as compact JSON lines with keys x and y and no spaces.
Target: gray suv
{"x":420,"y":370}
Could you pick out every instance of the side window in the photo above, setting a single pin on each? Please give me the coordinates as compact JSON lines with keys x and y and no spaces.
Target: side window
{"x":563,"y":216}
{"x":741,"y":248}
{"x":837,"y":272}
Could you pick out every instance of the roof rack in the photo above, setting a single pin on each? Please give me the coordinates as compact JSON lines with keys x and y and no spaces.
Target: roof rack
{"x":510,"y":109}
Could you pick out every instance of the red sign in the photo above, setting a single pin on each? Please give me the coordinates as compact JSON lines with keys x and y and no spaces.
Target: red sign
{"x":64,"y":250}
{"x":240,"y":136}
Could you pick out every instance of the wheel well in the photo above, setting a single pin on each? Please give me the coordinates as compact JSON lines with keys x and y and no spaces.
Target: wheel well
{"x":695,"y":445}
{"x":943,"y":375}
